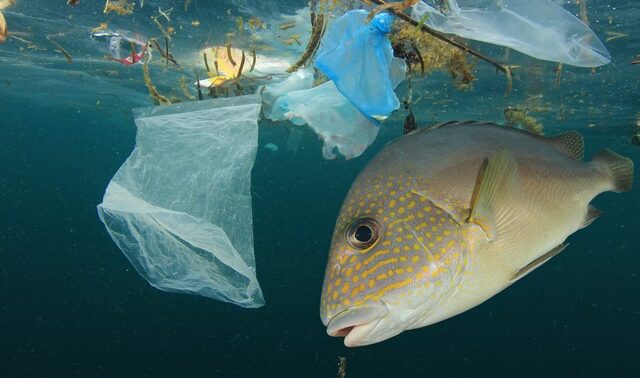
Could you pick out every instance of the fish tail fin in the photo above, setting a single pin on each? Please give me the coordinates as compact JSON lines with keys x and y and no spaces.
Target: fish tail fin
{"x":618,"y":169}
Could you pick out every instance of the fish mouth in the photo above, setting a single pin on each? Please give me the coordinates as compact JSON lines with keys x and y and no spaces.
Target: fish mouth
{"x":355,"y":323}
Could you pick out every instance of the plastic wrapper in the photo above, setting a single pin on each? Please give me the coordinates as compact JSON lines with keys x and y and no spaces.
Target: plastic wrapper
{"x":180,"y":206}
{"x":121,"y":44}
{"x":359,"y":59}
{"x":338,"y":123}
{"x":541,"y":28}
{"x":299,"y":80}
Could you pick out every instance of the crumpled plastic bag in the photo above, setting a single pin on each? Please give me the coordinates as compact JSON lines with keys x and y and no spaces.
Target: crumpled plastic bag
{"x":298,"y":80}
{"x":336,"y":121}
{"x":541,"y":28}
{"x":121,"y":44}
{"x":359,"y":59}
{"x":180,"y":206}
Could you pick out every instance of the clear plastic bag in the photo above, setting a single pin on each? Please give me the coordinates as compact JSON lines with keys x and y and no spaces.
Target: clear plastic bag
{"x":541,"y":28}
{"x":180,"y":206}
{"x":299,"y":80}
{"x":336,"y":121}
{"x":359,"y":59}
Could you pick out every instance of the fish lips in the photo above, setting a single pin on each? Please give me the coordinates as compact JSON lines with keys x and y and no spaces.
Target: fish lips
{"x":355,"y":323}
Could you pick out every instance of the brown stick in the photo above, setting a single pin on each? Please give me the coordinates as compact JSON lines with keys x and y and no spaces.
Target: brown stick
{"x":312,"y":46}
{"x":442,"y":37}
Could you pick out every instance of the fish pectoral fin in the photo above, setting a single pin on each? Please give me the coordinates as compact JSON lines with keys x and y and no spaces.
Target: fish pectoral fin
{"x":537,"y":262}
{"x":592,"y":214}
{"x":494,"y":200}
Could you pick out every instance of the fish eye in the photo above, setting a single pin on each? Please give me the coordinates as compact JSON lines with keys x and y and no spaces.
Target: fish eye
{"x":362,"y":233}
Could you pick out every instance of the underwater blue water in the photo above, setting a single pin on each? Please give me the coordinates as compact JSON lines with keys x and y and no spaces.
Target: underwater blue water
{"x":72,"y":305}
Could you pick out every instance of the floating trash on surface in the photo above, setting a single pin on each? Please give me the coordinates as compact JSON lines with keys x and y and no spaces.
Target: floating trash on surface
{"x":541,"y":29}
{"x":123,"y":49}
{"x":359,"y":59}
{"x":337,"y":122}
{"x":180,"y":206}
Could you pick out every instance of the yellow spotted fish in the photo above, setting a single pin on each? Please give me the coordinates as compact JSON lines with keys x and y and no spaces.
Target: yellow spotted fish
{"x":446,"y":217}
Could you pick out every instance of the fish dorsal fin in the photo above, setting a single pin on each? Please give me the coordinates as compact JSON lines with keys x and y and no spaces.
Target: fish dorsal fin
{"x":537,"y":262}
{"x":570,"y":143}
{"x":493,"y":203}
{"x":450,"y":123}
{"x":593,"y":213}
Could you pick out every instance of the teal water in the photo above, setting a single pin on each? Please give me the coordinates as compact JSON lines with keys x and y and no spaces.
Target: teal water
{"x":72,"y":305}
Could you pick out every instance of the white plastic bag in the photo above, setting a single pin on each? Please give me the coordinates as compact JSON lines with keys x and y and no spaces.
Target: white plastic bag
{"x":180,"y":206}
{"x":336,"y":121}
{"x":300,"y":79}
{"x":539,"y":28}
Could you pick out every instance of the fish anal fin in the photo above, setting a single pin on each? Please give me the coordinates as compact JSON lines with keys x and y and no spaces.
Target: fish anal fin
{"x":494,"y":196}
{"x":570,"y":143}
{"x":593,"y":213}
{"x":537,"y":262}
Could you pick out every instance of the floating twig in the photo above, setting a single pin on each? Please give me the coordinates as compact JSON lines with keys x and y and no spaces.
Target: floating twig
{"x":507,"y":91}
{"x":206,"y":62}
{"x":198,"y":85}
{"x":615,"y":35}
{"x":398,"y":7}
{"x":167,"y":54}
{"x":233,"y":62}
{"x":502,"y":68}
{"x":287,"y":25}
{"x":241,"y":65}
{"x":253,"y":60}
{"x":62,"y":50}
{"x":558,"y":71}
{"x":314,"y":42}
{"x":165,"y":14}
{"x":417,"y":52}
{"x":164,"y":54}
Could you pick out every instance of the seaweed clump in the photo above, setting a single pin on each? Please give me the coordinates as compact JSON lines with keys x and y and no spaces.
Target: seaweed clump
{"x":519,"y":118}
{"x":426,"y":54}
{"x":120,"y":7}
{"x":153,"y":91}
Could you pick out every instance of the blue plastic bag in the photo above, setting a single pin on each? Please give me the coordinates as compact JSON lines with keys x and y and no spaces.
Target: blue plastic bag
{"x":359,"y":59}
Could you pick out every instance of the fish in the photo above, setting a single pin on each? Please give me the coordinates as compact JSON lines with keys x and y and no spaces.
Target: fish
{"x":443,"y":218}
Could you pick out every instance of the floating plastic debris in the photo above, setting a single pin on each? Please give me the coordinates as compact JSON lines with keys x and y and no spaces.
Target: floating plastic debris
{"x":123,"y":48}
{"x":337,"y":122}
{"x":359,"y":59}
{"x":299,"y":80}
{"x":180,"y":206}
{"x":541,"y":29}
